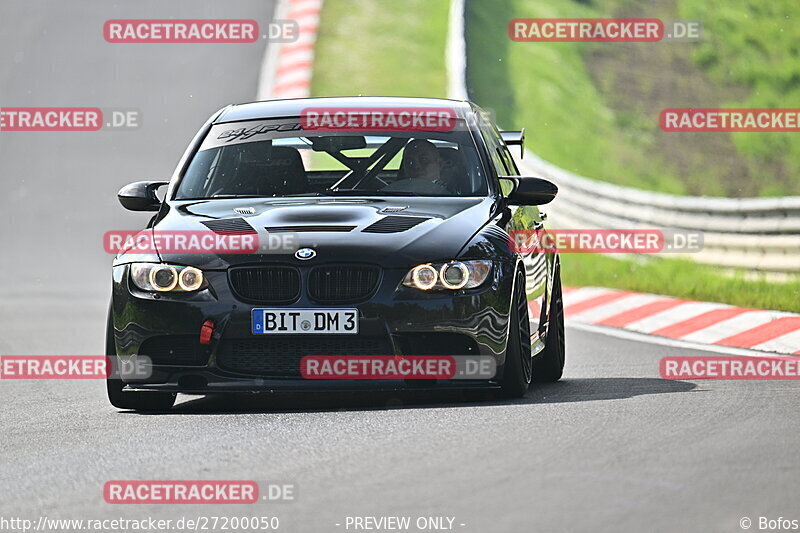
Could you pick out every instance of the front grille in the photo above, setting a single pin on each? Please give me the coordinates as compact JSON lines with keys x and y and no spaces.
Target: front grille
{"x":394,"y":224}
{"x":266,"y":284}
{"x":172,"y":350}
{"x":280,"y":356}
{"x":342,"y":283}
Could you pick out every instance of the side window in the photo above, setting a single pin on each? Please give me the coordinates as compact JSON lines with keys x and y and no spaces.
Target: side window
{"x":493,"y":147}
{"x":509,"y":161}
{"x":498,"y":154}
{"x":504,"y":154}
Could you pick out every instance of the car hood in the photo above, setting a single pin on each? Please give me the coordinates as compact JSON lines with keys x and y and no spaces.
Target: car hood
{"x":334,"y":228}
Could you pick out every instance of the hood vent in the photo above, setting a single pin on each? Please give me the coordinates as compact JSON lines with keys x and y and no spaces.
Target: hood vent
{"x":245,"y":210}
{"x":394,"y":224}
{"x":302,"y":229}
{"x":228,"y":225}
{"x":394,"y":209}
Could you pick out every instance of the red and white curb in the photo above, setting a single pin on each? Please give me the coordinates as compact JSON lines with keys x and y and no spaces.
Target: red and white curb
{"x":287,"y":67}
{"x":685,"y":320}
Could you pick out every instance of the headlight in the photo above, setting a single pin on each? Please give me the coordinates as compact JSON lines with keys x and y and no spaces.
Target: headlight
{"x":165,"y":278}
{"x":190,"y":279}
{"x":424,"y":277}
{"x":453,"y":275}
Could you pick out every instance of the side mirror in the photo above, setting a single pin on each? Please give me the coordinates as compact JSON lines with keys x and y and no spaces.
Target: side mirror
{"x":515,"y":138}
{"x":530,"y":190}
{"x":141,"y":195}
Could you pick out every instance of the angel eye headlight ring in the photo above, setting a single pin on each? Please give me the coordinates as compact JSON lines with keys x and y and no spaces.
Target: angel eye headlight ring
{"x":190,"y":279}
{"x":447,"y":268}
{"x":421,"y":271}
{"x":158,"y":284}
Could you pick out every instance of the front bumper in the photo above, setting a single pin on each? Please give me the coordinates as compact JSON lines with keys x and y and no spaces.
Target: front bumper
{"x":395,"y":320}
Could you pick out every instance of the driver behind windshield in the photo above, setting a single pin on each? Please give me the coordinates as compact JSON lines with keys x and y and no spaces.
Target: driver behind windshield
{"x":421,"y":160}
{"x":420,"y":170}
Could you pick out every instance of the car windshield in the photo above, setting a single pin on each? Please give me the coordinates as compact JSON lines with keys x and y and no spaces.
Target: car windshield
{"x":273,"y":158}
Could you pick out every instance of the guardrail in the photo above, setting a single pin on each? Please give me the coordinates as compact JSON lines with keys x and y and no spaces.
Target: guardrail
{"x":756,"y":234}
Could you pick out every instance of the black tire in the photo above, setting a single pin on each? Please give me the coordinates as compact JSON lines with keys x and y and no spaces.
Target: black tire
{"x":138,"y":401}
{"x":517,"y":368}
{"x":548,"y":366}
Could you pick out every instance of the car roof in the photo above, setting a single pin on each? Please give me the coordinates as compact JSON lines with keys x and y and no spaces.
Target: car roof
{"x":293,"y":107}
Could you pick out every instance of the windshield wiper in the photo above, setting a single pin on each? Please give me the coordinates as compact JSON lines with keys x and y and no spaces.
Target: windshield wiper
{"x":236,"y":196}
{"x":367,"y":192}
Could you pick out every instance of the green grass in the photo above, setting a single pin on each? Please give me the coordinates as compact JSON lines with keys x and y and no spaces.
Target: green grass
{"x":593,"y":108}
{"x":380,"y":48}
{"x":755,"y":44}
{"x":680,"y":278}
{"x":547,"y":89}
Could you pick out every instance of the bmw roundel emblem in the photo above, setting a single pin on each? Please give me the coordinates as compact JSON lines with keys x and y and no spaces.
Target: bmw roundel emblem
{"x":305,"y":254}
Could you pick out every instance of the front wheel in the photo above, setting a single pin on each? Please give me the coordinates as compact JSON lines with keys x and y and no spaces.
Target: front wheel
{"x":517,"y":366}
{"x":121,"y":399}
{"x":549,"y":365}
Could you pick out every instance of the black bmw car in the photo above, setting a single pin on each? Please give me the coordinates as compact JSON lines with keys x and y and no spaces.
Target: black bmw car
{"x":379,"y":233}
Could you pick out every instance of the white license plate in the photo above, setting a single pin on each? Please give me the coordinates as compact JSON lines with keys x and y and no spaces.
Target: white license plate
{"x":304,"y":321}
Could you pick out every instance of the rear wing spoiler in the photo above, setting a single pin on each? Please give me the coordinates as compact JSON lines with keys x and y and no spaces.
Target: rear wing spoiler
{"x":512,"y":138}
